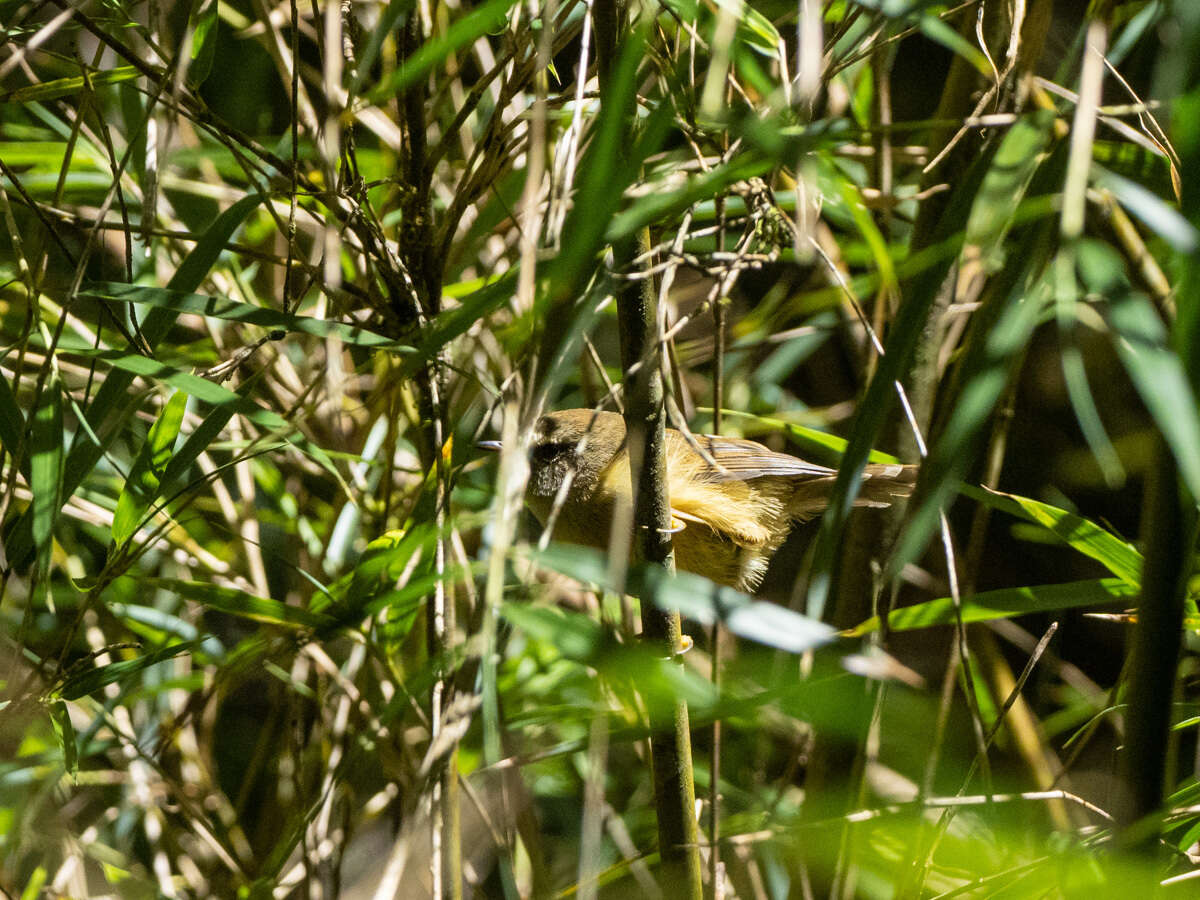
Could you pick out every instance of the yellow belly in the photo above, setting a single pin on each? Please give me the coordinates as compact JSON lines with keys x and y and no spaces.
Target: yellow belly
{"x":698,"y":548}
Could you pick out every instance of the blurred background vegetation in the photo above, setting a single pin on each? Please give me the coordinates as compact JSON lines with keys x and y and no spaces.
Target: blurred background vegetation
{"x":273,"y":628}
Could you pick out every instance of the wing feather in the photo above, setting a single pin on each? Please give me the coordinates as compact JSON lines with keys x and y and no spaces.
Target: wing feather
{"x":743,"y":460}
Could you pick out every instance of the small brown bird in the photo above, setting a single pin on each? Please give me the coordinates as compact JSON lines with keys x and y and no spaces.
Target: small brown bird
{"x":731,"y":516}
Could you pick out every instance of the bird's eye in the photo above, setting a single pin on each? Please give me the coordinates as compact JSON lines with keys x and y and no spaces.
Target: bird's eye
{"x":550,"y":450}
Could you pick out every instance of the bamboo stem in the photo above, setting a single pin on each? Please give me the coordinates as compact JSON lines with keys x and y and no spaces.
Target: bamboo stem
{"x":645,"y":419}
{"x":670,"y":742}
{"x":1155,"y":654}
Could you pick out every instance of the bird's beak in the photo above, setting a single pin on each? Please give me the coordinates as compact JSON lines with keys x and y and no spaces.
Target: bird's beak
{"x":493,"y":446}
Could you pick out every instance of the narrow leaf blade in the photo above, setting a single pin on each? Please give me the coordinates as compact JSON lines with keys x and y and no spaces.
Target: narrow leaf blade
{"x":141,"y":487}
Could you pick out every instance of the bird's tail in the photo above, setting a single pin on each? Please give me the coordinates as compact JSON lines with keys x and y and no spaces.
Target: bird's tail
{"x":884,"y":483}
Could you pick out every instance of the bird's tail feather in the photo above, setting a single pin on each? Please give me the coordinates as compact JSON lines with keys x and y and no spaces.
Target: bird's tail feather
{"x":884,"y":483}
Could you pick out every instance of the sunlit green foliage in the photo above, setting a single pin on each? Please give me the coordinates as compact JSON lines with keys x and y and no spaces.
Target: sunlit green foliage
{"x":271,"y":625}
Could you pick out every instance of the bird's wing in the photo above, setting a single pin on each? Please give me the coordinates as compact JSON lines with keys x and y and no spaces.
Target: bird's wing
{"x":742,"y":460}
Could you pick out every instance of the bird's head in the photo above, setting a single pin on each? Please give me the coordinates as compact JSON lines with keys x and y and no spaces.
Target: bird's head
{"x":573,"y":439}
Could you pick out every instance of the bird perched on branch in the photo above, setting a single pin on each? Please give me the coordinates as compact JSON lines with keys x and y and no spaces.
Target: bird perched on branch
{"x":733,"y":501}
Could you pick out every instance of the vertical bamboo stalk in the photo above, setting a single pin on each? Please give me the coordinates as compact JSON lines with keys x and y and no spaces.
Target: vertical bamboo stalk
{"x":645,"y":419}
{"x":714,"y":763}
{"x":1169,"y":513}
{"x":425,"y":267}
{"x":1156,"y":642}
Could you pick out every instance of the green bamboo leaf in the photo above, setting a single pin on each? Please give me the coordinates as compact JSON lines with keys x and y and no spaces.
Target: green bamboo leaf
{"x":192,"y":385}
{"x":47,"y":156}
{"x":659,"y":205}
{"x":696,"y":598}
{"x":157,"y":626}
{"x":209,"y":429}
{"x":37,"y":880}
{"x":1000,"y":330}
{"x":204,"y":41}
{"x":896,"y":9}
{"x":1116,"y":555}
{"x":940,"y":32}
{"x":913,"y":12}
{"x":92,"y":680}
{"x":371,"y":587}
{"x":875,"y":241}
{"x":453,"y":323}
{"x":204,"y":255}
{"x":575,"y":635}
{"x":1004,"y":604}
{"x":234,"y":311}
{"x":1163,"y":219}
{"x":1079,"y":391}
{"x":141,"y":486}
{"x":384,"y":560}
{"x":1083,"y":403}
{"x":567,"y":293}
{"x":1154,"y":367}
{"x":754,"y":29}
{"x":607,"y":168}
{"x":112,"y":405}
{"x":988,"y":369}
{"x":906,"y":334}
{"x":60,"y":719}
{"x":61,"y":87}
{"x":403,"y":605}
{"x":45,"y":463}
{"x":242,"y":604}
{"x":384,"y":28}
{"x":12,"y":422}
{"x":486,"y":19}
{"x":1006,"y":184}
